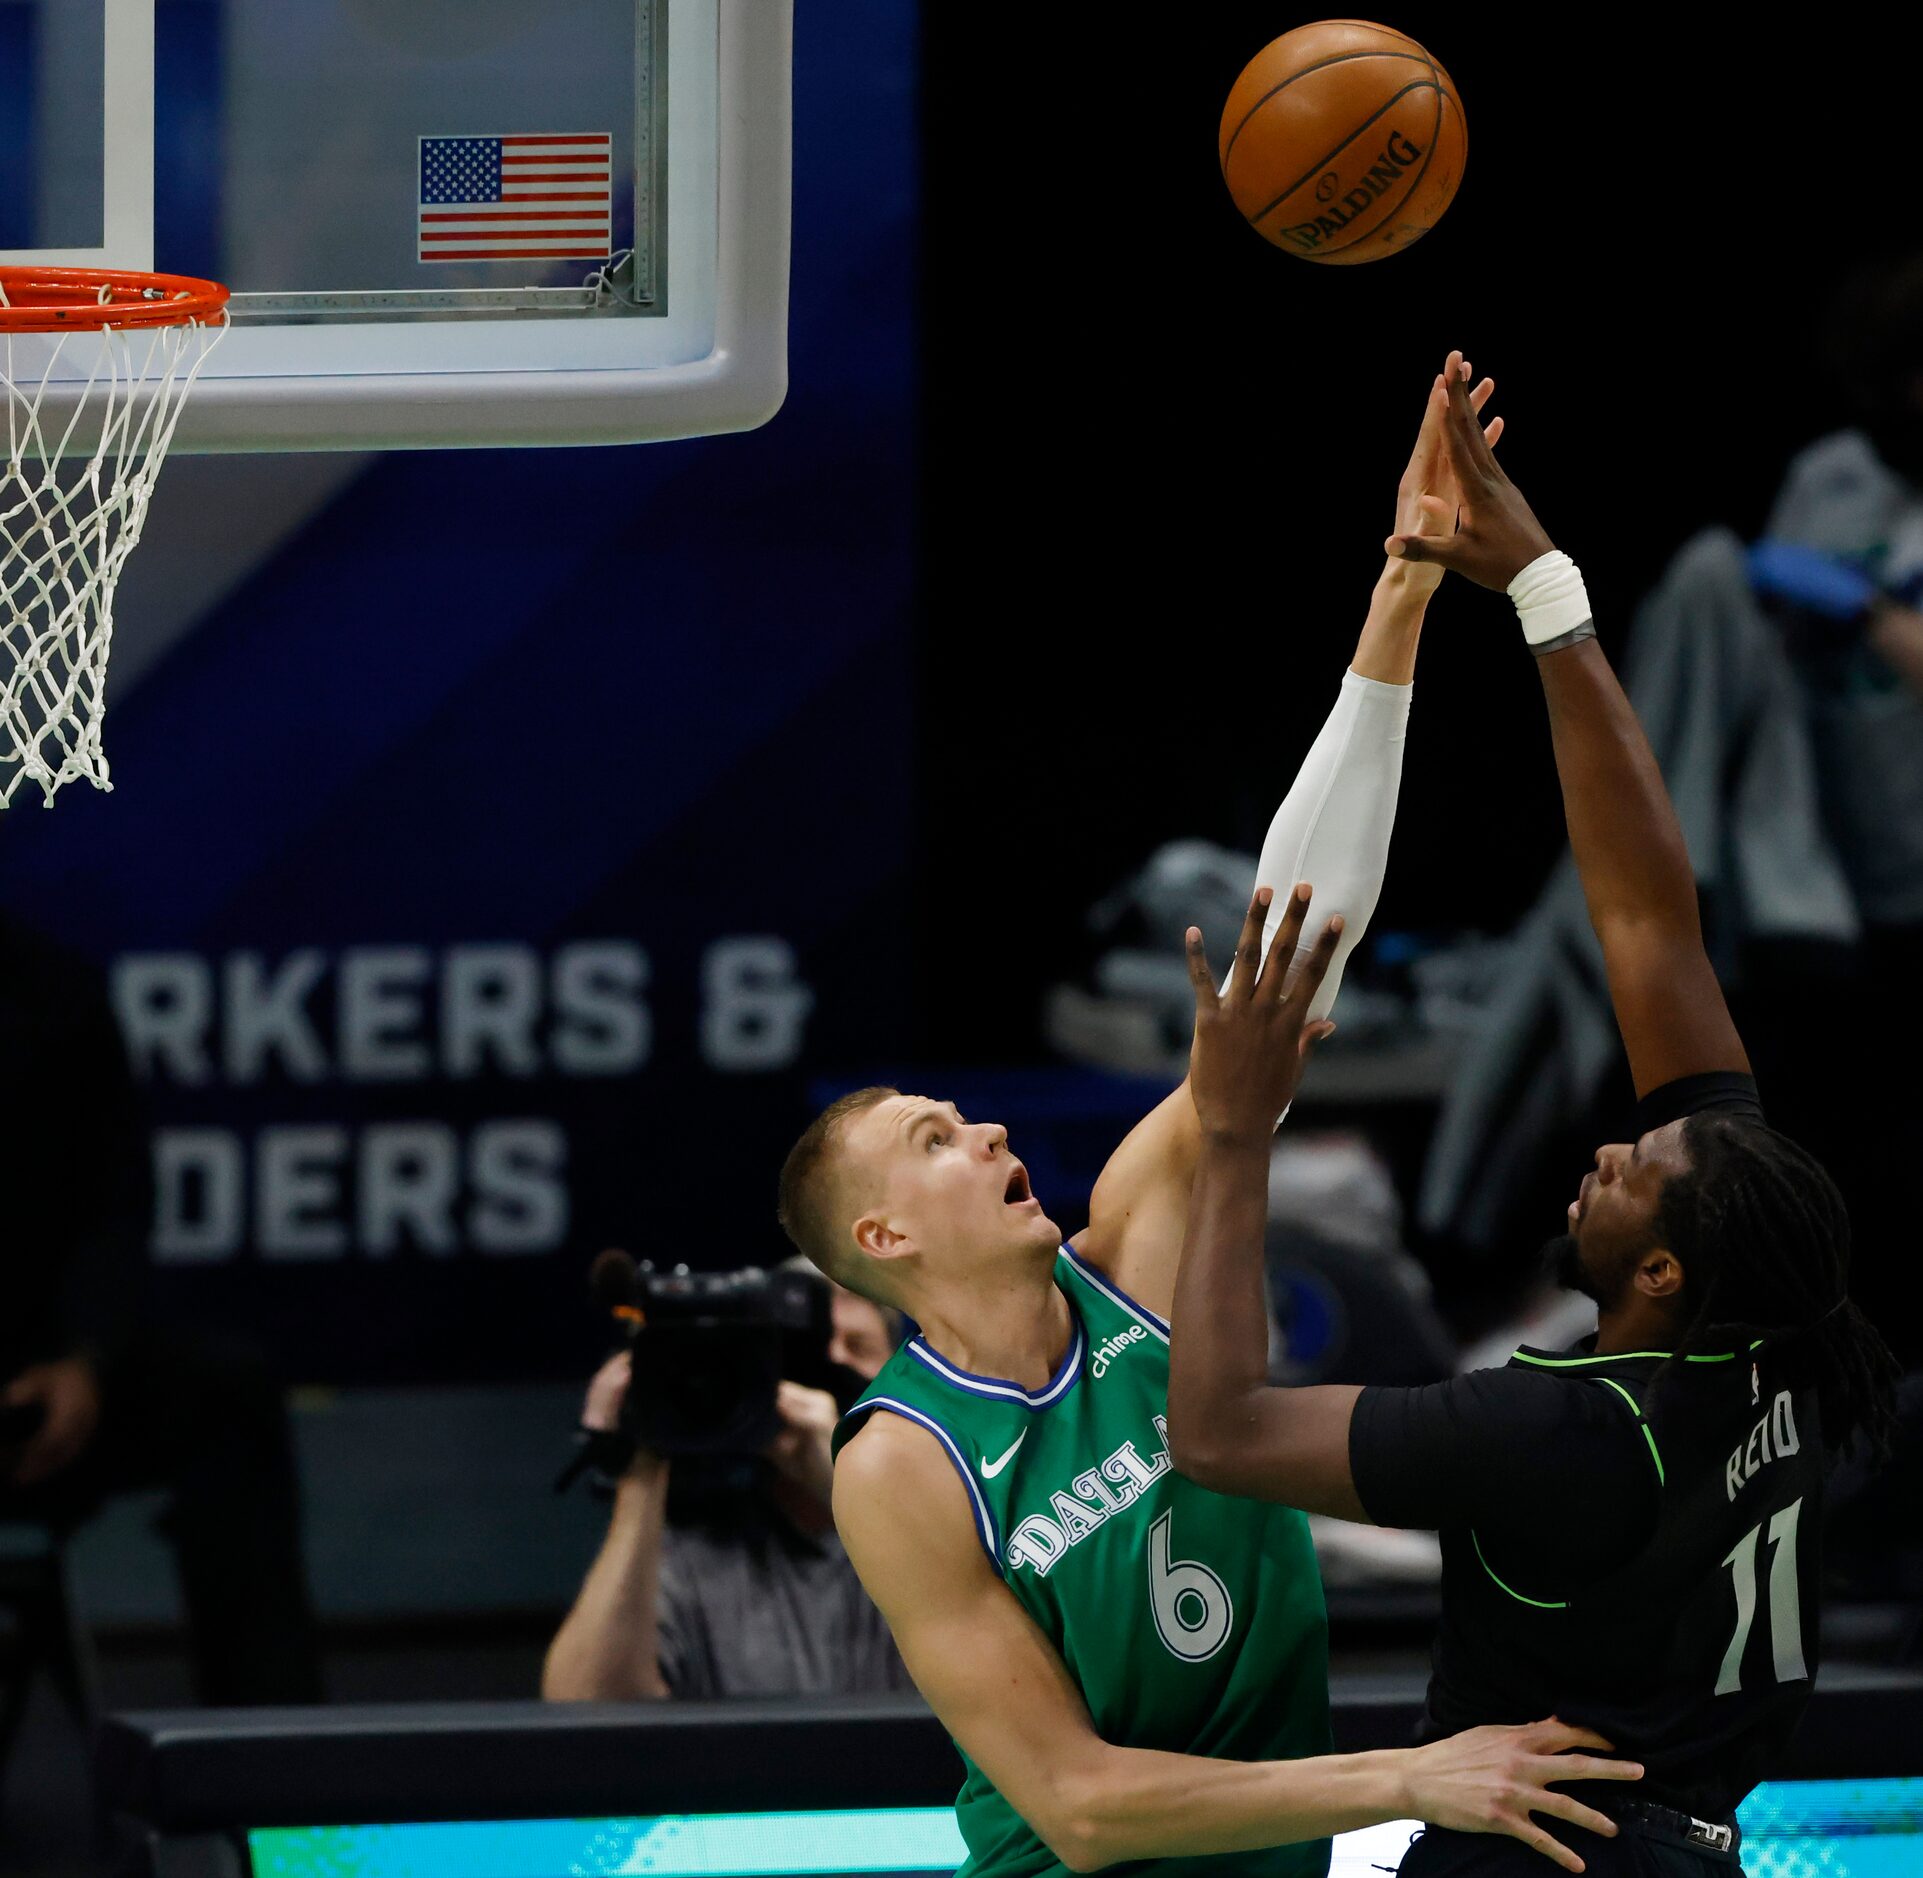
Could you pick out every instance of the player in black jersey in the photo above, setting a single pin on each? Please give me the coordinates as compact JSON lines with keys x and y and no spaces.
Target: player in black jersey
{"x":1629,"y":1528}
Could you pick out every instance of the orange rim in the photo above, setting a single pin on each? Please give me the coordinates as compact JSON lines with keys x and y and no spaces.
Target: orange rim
{"x":69,"y":299}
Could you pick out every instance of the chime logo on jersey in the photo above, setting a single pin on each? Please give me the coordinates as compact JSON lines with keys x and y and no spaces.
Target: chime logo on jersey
{"x":1089,"y":1501}
{"x":1105,"y":1352}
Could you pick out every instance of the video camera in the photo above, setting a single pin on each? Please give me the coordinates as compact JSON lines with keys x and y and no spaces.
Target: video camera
{"x":710,"y":1349}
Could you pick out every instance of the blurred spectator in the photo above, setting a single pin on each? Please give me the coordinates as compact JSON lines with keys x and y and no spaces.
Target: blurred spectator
{"x":1851,"y":509}
{"x":758,"y":1599}
{"x":122,"y":1405}
{"x":1852,"y":505}
{"x":1348,"y":1302}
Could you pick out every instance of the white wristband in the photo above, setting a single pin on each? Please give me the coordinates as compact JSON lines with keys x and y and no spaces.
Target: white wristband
{"x":1550,"y":597}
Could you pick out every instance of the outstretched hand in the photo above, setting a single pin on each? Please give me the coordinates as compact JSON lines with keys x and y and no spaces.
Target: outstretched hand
{"x":1489,"y":534}
{"x":1429,"y":494}
{"x":1495,"y":1779}
{"x":1252,"y":1040}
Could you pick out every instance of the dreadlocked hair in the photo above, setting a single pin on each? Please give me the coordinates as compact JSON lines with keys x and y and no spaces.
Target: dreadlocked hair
{"x":1764,"y":1240}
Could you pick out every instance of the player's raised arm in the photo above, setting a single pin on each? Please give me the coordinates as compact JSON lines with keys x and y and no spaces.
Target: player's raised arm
{"x":1003,"y":1692}
{"x":1333,"y":827}
{"x":1230,"y":1428}
{"x":1461,"y":1451}
{"x":1629,"y":849}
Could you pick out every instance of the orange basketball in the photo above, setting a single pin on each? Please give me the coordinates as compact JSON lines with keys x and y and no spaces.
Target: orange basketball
{"x":1343,"y":142}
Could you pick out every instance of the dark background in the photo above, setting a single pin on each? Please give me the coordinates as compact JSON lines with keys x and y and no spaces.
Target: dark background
{"x":1144,"y":462}
{"x":1160,"y":455}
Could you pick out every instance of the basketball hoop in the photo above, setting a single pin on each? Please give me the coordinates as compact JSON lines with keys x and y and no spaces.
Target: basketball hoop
{"x":72,"y":504}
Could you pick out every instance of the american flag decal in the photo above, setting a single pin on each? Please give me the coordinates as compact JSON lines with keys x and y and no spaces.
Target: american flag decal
{"x":509,"y":198}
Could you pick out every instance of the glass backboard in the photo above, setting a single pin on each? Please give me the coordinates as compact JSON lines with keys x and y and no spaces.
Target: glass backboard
{"x":442,"y":221}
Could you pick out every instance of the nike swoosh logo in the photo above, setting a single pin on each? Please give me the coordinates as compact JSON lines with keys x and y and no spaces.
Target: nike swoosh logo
{"x":991,"y":1468}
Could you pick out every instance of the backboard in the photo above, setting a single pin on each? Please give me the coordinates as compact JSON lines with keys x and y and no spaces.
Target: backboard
{"x":444,"y":222}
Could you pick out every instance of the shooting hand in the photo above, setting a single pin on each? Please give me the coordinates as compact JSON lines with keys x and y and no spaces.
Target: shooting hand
{"x":1496,"y":533}
{"x":1429,"y":497}
{"x":69,"y":1393}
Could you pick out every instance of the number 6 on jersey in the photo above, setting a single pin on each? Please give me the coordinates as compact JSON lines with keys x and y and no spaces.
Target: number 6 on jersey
{"x":1193,"y":1610}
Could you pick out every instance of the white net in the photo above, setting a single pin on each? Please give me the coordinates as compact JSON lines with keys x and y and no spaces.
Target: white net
{"x":72,"y":502}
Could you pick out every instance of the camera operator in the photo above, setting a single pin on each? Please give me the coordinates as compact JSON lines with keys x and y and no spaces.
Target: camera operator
{"x":757,"y":1598}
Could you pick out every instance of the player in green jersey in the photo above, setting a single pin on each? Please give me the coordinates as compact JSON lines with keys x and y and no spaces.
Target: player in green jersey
{"x":1133,"y":1667}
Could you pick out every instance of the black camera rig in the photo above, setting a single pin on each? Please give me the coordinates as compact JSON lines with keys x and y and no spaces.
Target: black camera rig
{"x":710,"y":1350}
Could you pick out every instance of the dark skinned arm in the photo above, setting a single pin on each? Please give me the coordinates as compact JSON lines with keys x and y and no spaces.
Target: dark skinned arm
{"x":1636,"y":876}
{"x":1635,"y":868}
{"x":1230,"y":1428}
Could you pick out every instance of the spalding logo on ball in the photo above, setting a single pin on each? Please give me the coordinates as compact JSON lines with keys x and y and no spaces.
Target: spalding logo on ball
{"x":1343,"y":142}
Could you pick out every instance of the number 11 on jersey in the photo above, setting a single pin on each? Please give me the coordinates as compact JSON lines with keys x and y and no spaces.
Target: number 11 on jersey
{"x":1785,"y":1602}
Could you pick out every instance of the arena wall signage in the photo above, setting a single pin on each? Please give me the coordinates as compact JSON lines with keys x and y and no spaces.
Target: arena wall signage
{"x":499,"y":839}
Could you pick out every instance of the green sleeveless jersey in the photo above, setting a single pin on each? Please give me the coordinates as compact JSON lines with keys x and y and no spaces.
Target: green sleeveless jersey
{"x":1192,"y":1622}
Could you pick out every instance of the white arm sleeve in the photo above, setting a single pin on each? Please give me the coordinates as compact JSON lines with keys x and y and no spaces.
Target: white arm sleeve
{"x":1333,"y":827}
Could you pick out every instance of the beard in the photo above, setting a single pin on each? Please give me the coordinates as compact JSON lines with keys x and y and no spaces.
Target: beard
{"x":1562,"y":1261}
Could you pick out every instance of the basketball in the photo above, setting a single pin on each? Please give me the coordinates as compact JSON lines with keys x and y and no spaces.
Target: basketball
{"x":1343,"y":142}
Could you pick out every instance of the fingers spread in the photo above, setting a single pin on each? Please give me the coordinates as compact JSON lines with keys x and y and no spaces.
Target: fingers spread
{"x":1553,"y":1736}
{"x":1288,"y":933}
{"x":1248,"y":949}
{"x":1588,"y":1767}
{"x":1536,"y":1838}
{"x":1562,"y":1806}
{"x":1313,"y":969}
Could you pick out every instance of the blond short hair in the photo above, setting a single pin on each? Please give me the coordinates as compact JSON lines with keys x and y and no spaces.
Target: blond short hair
{"x":812,"y":1206}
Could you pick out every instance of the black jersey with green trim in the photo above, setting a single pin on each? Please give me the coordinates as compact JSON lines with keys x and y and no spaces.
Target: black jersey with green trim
{"x":1695,"y":1654}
